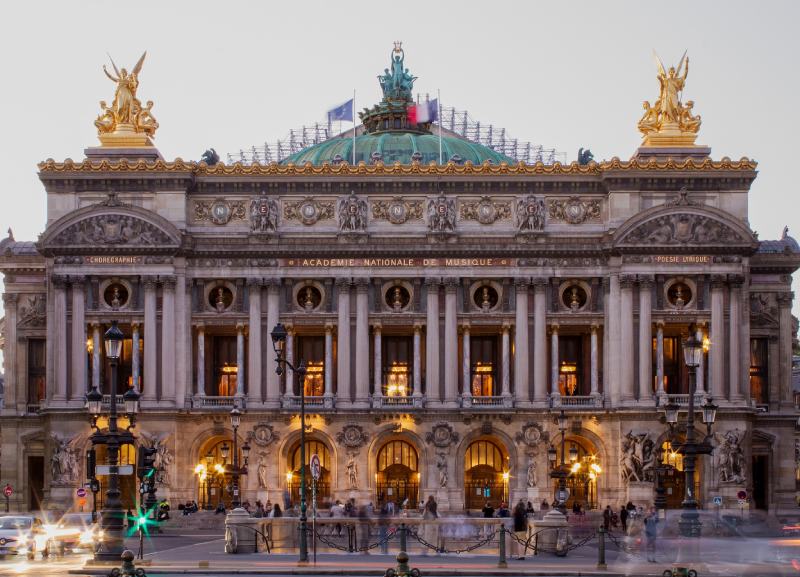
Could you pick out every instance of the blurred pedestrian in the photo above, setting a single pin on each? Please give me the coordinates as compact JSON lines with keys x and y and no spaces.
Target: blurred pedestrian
{"x":520,"y":531}
{"x":607,"y":519}
{"x":488,"y":510}
{"x":650,"y":534}
{"x":623,"y":517}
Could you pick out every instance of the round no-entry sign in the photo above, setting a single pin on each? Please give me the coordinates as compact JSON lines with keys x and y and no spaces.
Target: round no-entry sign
{"x":81,"y":492}
{"x":742,"y":494}
{"x":316,"y":468}
{"x":8,"y":491}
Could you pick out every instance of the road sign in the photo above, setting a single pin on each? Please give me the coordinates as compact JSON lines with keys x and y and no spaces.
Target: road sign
{"x":316,"y":468}
{"x":95,"y":486}
{"x":81,"y":492}
{"x":8,"y":491}
{"x":743,"y":504}
{"x":718,"y":501}
{"x":82,"y":502}
{"x":742,"y":495}
{"x":106,"y":470}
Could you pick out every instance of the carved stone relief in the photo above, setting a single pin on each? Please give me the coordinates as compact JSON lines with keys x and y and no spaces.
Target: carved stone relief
{"x":308,"y":211}
{"x":35,"y":314}
{"x":352,"y":436}
{"x":530,"y":215}
{"x":263,"y":214}
{"x":683,"y":229}
{"x":562,"y":262}
{"x":397,"y":211}
{"x":485,"y":211}
{"x":110,"y":229}
{"x":574,"y":210}
{"x":64,"y":464}
{"x":442,"y":215}
{"x":263,"y":434}
{"x":228,"y":262}
{"x":352,"y":214}
{"x":442,"y":435}
{"x":531,"y":434}
{"x":219,"y":211}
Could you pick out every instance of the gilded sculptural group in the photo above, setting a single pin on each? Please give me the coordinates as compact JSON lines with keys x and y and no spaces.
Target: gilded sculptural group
{"x":126,"y":110}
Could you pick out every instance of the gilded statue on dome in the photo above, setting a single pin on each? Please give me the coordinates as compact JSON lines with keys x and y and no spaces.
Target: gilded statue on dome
{"x":670,"y":122}
{"x":126,"y":121}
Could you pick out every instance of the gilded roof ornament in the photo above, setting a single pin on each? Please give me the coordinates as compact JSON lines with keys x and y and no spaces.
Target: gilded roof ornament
{"x":670,"y":123}
{"x":126,"y":123}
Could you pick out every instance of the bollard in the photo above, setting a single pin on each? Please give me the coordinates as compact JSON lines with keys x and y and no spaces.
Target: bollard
{"x":403,"y":537}
{"x":128,"y":568}
{"x":350,"y":537}
{"x":601,"y":549}
{"x":402,"y":569}
{"x":501,"y":564}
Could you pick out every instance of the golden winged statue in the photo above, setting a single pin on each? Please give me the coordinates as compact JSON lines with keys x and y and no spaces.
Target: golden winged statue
{"x":126,"y":115}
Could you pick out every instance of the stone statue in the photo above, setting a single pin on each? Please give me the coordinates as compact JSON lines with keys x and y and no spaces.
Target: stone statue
{"x":352,"y":471}
{"x":64,"y":463}
{"x":262,"y":470}
{"x":442,"y":215}
{"x":731,"y":458}
{"x":352,"y":214}
{"x":585,"y":157}
{"x":531,"y":478}
{"x":263,"y":214}
{"x":442,"y":467}
{"x":530,"y":215}
{"x":638,"y":457}
{"x":162,"y":460}
{"x":396,"y":82}
{"x":126,"y":110}
{"x":210,"y":157}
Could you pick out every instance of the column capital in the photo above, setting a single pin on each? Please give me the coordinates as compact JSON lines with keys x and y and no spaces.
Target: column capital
{"x":362,"y":284}
{"x":717,"y":281}
{"x":254,"y":284}
{"x":376,"y":329}
{"x":10,"y":299}
{"x":646,"y":281}
{"x":505,"y":329}
{"x":593,"y":329}
{"x":168,"y":282}
{"x":343,"y":284}
{"x":95,"y":326}
{"x":150,"y":282}
{"x":626,"y":281}
{"x":188,"y":285}
{"x":554,"y":329}
{"x":201,"y":329}
{"x":289,"y":329}
{"x":59,"y":281}
{"x":701,"y":325}
{"x":785,"y":298}
{"x":78,"y":282}
{"x":329,"y":329}
{"x":451,"y":284}
{"x":240,"y":329}
{"x":465,"y":328}
{"x":432,"y":283}
{"x":736,"y":280}
{"x":135,"y":327}
{"x":606,"y":286}
{"x":660,"y":327}
{"x":522,"y":283}
{"x":540,"y":284}
{"x":417,"y":329}
{"x":273,"y":285}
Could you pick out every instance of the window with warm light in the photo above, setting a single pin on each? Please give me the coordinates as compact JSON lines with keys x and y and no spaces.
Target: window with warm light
{"x":311,"y":349}
{"x":396,"y":358}
{"x":314,"y":383}
{"x":674,"y":369}
{"x":483,"y":359}
{"x":37,"y":371}
{"x":570,"y":375}
{"x":759,"y":370}
{"x":224,"y":368}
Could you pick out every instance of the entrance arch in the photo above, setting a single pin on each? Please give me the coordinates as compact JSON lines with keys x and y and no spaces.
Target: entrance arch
{"x":397,"y":477}
{"x":485,"y":474}
{"x":128,"y":484}
{"x":211,"y":477}
{"x":293,"y":473}
{"x":583,"y":472}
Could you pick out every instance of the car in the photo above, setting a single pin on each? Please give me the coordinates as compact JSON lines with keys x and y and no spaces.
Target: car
{"x":22,"y":535}
{"x":74,"y":531}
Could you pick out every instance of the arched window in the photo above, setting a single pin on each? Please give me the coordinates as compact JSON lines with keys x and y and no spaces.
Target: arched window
{"x":485,"y":478}
{"x":397,"y":479}
{"x":398,"y":453}
{"x":484,"y":453}
{"x":313,"y":446}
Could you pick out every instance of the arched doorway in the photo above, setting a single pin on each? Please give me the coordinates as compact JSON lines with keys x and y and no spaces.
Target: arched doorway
{"x":485,"y":474}
{"x":213,"y":482}
{"x":323,"y":486}
{"x":397,"y":478}
{"x":584,"y":468}
{"x":674,"y":477}
{"x":128,"y":484}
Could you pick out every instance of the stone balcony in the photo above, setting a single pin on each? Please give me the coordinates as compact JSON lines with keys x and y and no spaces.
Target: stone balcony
{"x":488,"y":402}
{"x":589,"y":401}
{"x":204,"y":402}
{"x":398,"y":401}
{"x":292,"y":402}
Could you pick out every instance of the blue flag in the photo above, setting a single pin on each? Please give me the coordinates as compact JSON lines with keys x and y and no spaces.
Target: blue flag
{"x":343,"y":112}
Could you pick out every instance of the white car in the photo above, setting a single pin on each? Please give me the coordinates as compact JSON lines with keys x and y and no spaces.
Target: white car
{"x":74,"y":531}
{"x":22,"y":534}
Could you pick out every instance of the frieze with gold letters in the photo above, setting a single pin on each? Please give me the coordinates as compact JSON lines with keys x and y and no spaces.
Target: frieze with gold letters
{"x":219,"y":211}
{"x":485,"y":211}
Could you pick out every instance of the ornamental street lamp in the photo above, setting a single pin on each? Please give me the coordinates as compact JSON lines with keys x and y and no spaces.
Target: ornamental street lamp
{"x":660,"y":501}
{"x":278,"y":336}
{"x":561,"y":473}
{"x":113,"y":514}
{"x":234,"y":469}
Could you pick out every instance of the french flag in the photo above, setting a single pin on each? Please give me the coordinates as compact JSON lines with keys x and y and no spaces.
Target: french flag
{"x":424,"y":112}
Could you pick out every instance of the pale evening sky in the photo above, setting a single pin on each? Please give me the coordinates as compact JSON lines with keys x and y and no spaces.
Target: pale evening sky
{"x":230,"y":75}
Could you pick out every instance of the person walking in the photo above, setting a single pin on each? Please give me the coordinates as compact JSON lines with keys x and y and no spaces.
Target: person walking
{"x":431,"y":531}
{"x":607,"y":519}
{"x":520,"y":531}
{"x":623,"y":517}
{"x":650,"y":534}
{"x":383,"y":527}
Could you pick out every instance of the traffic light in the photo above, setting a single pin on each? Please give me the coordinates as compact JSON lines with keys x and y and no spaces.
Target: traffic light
{"x":145,"y":462}
{"x":91,"y":462}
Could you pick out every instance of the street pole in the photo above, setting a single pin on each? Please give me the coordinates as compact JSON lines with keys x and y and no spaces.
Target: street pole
{"x":112,"y":513}
{"x":689,"y":524}
{"x":236,"y":502}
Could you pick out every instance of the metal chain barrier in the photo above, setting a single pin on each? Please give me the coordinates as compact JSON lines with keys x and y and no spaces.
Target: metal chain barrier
{"x":536,"y":549}
{"x":392,"y":534}
{"x":438,"y":550}
{"x":627,"y":549}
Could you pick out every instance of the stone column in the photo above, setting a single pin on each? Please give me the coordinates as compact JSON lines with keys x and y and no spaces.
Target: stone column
{"x":612,"y":356}
{"x":540,"y":340}
{"x":328,"y":361}
{"x":201,"y":361}
{"x":554,"y":392}
{"x":606,"y":304}
{"x":701,"y":368}
{"x":451,"y":343}
{"x":521,"y":364}
{"x":343,"y":341}
{"x":288,"y":388}
{"x":362,"y":343}
{"x":135,"y":368}
{"x":168,"y":340}
{"x":273,"y":318}
{"x":626,"y":337}
{"x":254,"y":350}
{"x":785,"y":343}
{"x":60,"y":284}
{"x":97,"y":346}
{"x":595,"y":392}
{"x":150,"y":341}
{"x":15,"y":390}
{"x":417,"y":360}
{"x":240,"y":376}
{"x":660,"y":359}
{"x":466,"y":368}
{"x":377,"y":376}
{"x":735,"y":326}
{"x":432,"y":342}
{"x":716,"y":348}
{"x":506,"y":362}
{"x":78,"y":393}
{"x":645,"y":339}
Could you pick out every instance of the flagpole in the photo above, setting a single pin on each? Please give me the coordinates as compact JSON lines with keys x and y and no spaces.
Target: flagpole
{"x":439,"y":104}
{"x":354,"y":127}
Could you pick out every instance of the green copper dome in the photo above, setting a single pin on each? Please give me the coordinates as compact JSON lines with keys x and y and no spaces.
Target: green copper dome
{"x":396,"y":146}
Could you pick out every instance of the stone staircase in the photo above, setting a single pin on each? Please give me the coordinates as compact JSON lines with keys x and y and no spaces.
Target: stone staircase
{"x":202,"y":520}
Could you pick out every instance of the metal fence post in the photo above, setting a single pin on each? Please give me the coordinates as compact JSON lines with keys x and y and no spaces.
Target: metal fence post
{"x":601,"y":549}
{"x":501,"y":564}
{"x":403,"y":537}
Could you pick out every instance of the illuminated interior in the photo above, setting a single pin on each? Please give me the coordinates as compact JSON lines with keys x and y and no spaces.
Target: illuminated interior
{"x":314,"y":385}
{"x":398,"y":381}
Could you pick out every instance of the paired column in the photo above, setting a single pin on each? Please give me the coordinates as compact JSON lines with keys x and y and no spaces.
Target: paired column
{"x":606,"y":349}
{"x":254,"y":350}
{"x":785,"y":343}
{"x":451,"y":343}
{"x":660,"y":359}
{"x":201,"y":361}
{"x":466,"y":369}
{"x":521,"y":384}
{"x":240,"y":376}
{"x":150,"y":341}
{"x":60,"y":344}
{"x":506,"y":363}
{"x":135,"y":362}
{"x":540,"y":340}
{"x":716,"y":348}
{"x":432,"y":341}
{"x":645,"y":339}
{"x":168,"y":340}
{"x":377,"y":378}
{"x":78,"y":393}
{"x":612,"y":356}
{"x":343,"y":340}
{"x":595,"y":392}
{"x":735,"y":326}
{"x":626,"y":337}
{"x":14,"y":388}
{"x":362,"y":343}
{"x":417,"y":360}
{"x":273,"y":318}
{"x":97,"y":346}
{"x":328,"y":361}
{"x":554,"y":392}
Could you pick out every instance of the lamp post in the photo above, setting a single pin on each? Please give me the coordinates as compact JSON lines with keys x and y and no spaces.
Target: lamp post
{"x":234,"y":469}
{"x":560,"y":473}
{"x":660,"y":501}
{"x":113,"y":515}
{"x":689,"y":524}
{"x":278,"y":336}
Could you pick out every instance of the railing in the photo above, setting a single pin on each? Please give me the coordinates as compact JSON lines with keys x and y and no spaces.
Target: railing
{"x":682,"y":400}
{"x":408,"y":401}
{"x":494,"y":402}
{"x":221,"y":402}
{"x":293,"y":402}
{"x":107,"y":400}
{"x":32,"y":409}
{"x":577,"y":401}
